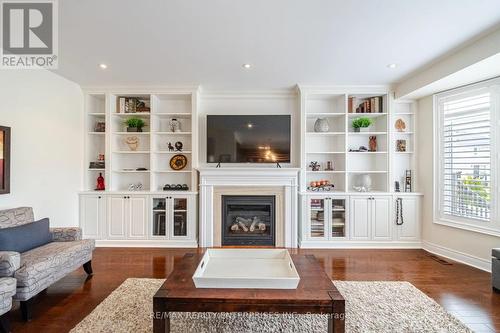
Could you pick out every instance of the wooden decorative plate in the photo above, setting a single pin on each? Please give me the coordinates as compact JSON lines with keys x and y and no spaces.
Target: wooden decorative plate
{"x":178,"y":162}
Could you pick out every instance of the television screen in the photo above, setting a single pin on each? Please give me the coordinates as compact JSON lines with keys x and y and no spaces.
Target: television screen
{"x":248,"y":139}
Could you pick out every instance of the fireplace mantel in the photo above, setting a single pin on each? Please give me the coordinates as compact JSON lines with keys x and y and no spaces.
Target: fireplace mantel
{"x":210,"y":178}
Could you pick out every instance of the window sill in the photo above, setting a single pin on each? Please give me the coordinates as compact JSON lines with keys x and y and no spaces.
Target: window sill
{"x":491,"y":230}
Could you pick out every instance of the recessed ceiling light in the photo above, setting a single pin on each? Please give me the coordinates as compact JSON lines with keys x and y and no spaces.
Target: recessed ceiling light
{"x":246,"y":66}
{"x":103,"y":66}
{"x":392,"y":66}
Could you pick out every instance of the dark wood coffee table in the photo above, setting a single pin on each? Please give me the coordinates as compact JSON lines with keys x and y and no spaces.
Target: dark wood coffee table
{"x":314,"y":294}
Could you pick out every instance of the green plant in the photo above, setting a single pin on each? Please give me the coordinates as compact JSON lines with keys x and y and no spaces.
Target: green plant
{"x":135,"y":122}
{"x":361,"y":122}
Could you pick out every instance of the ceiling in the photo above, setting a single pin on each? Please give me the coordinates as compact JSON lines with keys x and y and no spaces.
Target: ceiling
{"x":166,"y":42}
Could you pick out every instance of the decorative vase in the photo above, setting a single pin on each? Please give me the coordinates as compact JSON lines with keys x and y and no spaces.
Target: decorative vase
{"x":365,"y":129}
{"x":134,"y":129}
{"x":100,"y":183}
{"x":175,"y":125}
{"x":321,"y":125}
{"x":365,"y":181}
{"x":357,"y":129}
{"x":132,"y":142}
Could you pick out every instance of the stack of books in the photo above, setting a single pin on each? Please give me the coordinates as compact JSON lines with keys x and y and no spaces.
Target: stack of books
{"x":368,"y":105}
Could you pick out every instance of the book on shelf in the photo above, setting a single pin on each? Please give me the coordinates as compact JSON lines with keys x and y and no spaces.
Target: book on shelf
{"x":370,"y":105}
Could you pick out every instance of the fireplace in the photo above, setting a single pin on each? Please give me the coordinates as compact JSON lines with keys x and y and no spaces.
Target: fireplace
{"x":248,"y":220}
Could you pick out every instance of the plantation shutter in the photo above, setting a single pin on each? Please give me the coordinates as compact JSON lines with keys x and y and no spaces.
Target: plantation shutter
{"x":466,"y":131}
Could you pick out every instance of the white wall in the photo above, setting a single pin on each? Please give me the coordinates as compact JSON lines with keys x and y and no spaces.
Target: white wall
{"x":233,"y":103}
{"x":44,"y":111}
{"x":472,"y":247}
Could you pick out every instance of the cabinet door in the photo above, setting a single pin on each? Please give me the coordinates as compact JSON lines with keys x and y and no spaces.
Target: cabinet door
{"x":137,"y":216}
{"x":410,"y":229}
{"x":92,"y":216}
{"x":338,"y":217}
{"x":159,"y":223}
{"x":381,"y":218}
{"x":179,"y":207}
{"x":117,"y":217}
{"x":360,"y":217}
{"x":317,"y":217}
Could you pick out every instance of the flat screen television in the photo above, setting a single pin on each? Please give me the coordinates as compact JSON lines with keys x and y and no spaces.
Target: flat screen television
{"x":248,"y":139}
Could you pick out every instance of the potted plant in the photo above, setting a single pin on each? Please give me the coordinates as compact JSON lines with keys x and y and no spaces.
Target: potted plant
{"x":361,"y":124}
{"x":135,"y":124}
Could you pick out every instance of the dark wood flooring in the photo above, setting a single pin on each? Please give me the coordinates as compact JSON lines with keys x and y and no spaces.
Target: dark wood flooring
{"x":462,"y":290}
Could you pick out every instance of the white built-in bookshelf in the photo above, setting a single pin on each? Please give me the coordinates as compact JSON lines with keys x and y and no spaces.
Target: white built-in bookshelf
{"x":339,"y":144}
{"x":403,"y":160}
{"x":149,"y":163}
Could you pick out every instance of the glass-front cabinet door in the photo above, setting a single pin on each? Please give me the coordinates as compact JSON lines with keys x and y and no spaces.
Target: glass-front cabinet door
{"x":338,"y":217}
{"x":159,"y":221}
{"x":317,"y":217}
{"x":179,"y":217}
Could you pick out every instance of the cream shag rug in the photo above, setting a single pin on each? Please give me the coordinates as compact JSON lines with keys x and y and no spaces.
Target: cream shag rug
{"x":370,"y":307}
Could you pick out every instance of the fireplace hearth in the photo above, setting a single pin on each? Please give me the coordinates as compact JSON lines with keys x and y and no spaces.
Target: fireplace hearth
{"x":248,"y":220}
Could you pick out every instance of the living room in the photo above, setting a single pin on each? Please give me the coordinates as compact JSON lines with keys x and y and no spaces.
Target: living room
{"x":186,"y":166}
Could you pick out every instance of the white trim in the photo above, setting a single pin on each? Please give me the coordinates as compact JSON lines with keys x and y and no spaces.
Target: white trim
{"x":470,"y":227}
{"x":147,"y":243}
{"x":458,"y":256}
{"x":359,"y":245}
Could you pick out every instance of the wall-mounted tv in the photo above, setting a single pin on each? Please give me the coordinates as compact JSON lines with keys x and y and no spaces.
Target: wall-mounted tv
{"x":248,"y":139}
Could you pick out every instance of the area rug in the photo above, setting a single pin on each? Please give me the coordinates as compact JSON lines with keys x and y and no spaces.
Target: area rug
{"x":370,"y":307}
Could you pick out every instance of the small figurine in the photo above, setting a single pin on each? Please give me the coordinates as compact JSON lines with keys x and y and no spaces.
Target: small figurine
{"x":314,"y":166}
{"x":132,"y":142}
{"x":373,"y":143}
{"x":178,"y":146}
{"x":329,"y":166}
{"x":396,"y":186}
{"x":170,"y":147}
{"x":175,"y":125}
{"x":100,"y":183}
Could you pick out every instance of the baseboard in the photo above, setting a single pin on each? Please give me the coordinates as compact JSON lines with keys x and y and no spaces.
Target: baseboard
{"x":359,"y":245}
{"x":146,"y":243}
{"x":458,"y":256}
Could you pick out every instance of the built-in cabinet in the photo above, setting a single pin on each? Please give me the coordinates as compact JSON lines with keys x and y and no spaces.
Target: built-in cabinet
{"x":125,"y":219}
{"x":360,"y":220}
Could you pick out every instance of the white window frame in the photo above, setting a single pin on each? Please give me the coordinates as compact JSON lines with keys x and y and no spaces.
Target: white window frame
{"x":491,"y":227}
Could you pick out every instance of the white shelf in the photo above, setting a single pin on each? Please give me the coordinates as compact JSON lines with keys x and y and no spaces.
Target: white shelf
{"x":368,"y":171}
{"x":324,"y":133}
{"x":403,"y":152}
{"x":132,"y":152}
{"x":136,"y":114}
{"x":367,"y":133}
{"x":173,"y":114}
{"x":96,"y":133}
{"x":404,"y":114}
{"x":96,"y":114}
{"x":173,"y":133}
{"x":325,"y":152}
{"x":131,"y":133}
{"x":132,"y":171}
{"x":366,"y":152}
{"x":367,"y":115}
{"x":95,"y":169}
{"x":326,"y":171}
{"x":173,"y":152}
{"x":325,"y":114}
{"x":172,"y":171}
{"x":403,"y":133}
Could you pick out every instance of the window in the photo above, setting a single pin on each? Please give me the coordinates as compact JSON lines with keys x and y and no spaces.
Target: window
{"x":466,"y":147}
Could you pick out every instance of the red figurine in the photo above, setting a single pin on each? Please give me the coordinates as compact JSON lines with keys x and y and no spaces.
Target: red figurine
{"x":100,"y":183}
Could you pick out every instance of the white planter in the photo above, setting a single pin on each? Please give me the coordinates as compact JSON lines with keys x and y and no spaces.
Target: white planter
{"x":246,"y":268}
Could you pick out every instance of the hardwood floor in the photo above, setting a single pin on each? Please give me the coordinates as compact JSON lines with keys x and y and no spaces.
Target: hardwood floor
{"x":462,"y":290}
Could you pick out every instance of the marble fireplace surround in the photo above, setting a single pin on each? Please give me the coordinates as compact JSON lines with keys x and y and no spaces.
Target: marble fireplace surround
{"x":216,"y":182}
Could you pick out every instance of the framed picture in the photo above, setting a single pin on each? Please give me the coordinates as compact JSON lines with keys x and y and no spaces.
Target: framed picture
{"x":400,"y":145}
{"x":4,"y":160}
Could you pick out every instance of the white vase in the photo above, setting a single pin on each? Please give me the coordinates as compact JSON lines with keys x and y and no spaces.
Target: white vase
{"x":321,"y":125}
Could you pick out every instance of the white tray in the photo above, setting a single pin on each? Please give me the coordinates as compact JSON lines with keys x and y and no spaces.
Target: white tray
{"x":246,"y":268}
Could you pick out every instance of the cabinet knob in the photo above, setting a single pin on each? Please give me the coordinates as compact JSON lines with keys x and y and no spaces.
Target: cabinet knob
{"x":99,"y":197}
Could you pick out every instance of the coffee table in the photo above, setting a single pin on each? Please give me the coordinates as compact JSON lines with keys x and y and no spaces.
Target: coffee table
{"x":315,"y":294}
